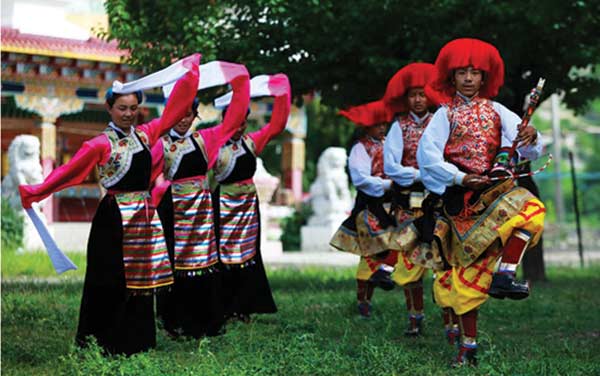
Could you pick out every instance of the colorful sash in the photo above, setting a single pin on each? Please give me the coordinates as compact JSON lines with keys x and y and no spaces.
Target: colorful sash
{"x":195,"y":244}
{"x":501,"y":212}
{"x":369,"y":238}
{"x":145,"y":255}
{"x":239,"y":222}
{"x":464,"y":238}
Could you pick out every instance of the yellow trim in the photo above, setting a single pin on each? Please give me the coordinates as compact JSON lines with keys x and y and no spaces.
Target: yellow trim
{"x":65,"y":54}
{"x":195,"y":267}
{"x":151,"y":287}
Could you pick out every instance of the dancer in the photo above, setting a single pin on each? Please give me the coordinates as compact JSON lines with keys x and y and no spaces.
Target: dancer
{"x":127,"y":257}
{"x":458,"y":151}
{"x":405,"y":95}
{"x":194,"y":306}
{"x":367,"y":230}
{"x":246,"y":288}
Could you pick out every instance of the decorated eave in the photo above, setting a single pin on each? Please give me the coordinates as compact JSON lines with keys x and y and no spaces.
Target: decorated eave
{"x":61,"y":67}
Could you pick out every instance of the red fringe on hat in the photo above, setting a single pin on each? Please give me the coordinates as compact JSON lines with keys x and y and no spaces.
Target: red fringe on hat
{"x":412,"y":75}
{"x":465,"y":52}
{"x":367,"y":115}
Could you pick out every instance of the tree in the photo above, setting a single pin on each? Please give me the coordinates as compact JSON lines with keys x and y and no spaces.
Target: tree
{"x":348,"y":50}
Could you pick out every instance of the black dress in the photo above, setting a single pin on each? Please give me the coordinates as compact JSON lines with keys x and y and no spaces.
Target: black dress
{"x":194,"y":306}
{"x":121,"y":322}
{"x":246,"y":288}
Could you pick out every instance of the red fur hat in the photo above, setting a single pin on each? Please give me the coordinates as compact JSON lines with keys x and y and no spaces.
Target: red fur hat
{"x":465,"y":52}
{"x":412,"y":75}
{"x":367,"y":115}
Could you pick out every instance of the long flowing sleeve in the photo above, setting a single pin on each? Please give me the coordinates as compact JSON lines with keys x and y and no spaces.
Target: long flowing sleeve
{"x":436,"y":173}
{"x":180,"y":101}
{"x":393,"y":148}
{"x":93,"y":152}
{"x":279,"y":86}
{"x":217,"y":136}
{"x":359,"y":165}
{"x":159,"y":184}
{"x":510,"y":122}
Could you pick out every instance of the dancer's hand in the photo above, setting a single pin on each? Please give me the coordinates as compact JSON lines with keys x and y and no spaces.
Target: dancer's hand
{"x":475,"y":182}
{"x":527,"y":136}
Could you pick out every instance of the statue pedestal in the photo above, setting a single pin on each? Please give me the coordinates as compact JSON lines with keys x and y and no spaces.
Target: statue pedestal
{"x":330,"y":201}
{"x":316,"y":237}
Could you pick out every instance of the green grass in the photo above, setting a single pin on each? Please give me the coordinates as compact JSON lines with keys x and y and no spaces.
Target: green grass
{"x":317,"y":332}
{"x":38,"y":265}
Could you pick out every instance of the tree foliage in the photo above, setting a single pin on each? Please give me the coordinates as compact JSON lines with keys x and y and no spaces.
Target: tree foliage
{"x":347,"y":50}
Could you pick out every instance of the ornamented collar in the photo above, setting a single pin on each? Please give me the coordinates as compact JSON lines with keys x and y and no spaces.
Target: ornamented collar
{"x":417,"y":119}
{"x":460,"y":99}
{"x":177,"y":136}
{"x":121,"y":131}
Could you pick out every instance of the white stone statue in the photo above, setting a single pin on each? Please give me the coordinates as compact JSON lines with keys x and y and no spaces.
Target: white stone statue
{"x":330,"y":200}
{"x":266,"y":184}
{"x":329,"y":193}
{"x":24,"y":168}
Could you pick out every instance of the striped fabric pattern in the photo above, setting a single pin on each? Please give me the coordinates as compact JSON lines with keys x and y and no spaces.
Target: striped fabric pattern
{"x":195,"y":242}
{"x":145,"y":255}
{"x":239,"y":226}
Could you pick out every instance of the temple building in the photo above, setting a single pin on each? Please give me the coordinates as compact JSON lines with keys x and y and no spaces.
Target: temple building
{"x":53,"y":86}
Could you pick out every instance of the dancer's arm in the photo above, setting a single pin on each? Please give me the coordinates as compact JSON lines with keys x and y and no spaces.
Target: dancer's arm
{"x":93,"y":152}
{"x":179,"y":102}
{"x":393,"y":149}
{"x":279,"y":86}
{"x":215,"y":137}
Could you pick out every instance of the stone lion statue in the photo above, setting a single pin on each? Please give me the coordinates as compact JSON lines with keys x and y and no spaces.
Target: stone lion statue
{"x":24,"y":168}
{"x":329,"y":193}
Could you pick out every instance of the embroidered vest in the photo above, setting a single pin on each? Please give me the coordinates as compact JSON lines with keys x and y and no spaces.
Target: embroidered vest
{"x":411,"y":134}
{"x":475,"y":132}
{"x":228,"y":155}
{"x":375,"y":151}
{"x":121,"y":154}
{"x":174,"y":151}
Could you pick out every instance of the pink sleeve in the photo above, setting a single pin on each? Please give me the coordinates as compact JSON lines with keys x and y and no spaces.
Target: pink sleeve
{"x":281,"y":111}
{"x":158,"y":183}
{"x":180,"y":101}
{"x":93,"y":152}
{"x":217,"y":136}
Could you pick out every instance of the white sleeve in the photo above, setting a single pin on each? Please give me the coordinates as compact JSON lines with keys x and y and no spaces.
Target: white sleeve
{"x":359,"y":164}
{"x":510,"y":122}
{"x":393,"y":148}
{"x":436,"y":173}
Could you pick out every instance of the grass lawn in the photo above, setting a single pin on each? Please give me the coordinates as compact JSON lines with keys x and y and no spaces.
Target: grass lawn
{"x":317,"y":332}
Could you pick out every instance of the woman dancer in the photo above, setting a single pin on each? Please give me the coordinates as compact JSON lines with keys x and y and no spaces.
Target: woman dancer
{"x":194,"y":306}
{"x":127,"y":258}
{"x":245,"y":286}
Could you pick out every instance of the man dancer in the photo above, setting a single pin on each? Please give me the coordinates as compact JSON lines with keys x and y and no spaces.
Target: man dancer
{"x":405,"y":95}
{"x":456,"y":153}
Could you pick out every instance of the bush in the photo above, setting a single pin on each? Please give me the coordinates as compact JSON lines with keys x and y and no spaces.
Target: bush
{"x":12,"y":227}
{"x":290,"y":237}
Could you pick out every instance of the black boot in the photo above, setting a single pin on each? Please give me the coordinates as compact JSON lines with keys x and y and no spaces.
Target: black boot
{"x":504,"y":286}
{"x":467,"y":356}
{"x":383,"y":280}
{"x":415,"y":326}
{"x":364,"y":309}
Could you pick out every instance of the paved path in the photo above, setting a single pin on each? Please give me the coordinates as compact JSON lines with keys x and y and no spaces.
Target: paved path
{"x":335,"y":259}
{"x":570,"y":258}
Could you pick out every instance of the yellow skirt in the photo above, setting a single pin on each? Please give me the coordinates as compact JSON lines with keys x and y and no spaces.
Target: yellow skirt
{"x":442,"y":288}
{"x":406,"y":272}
